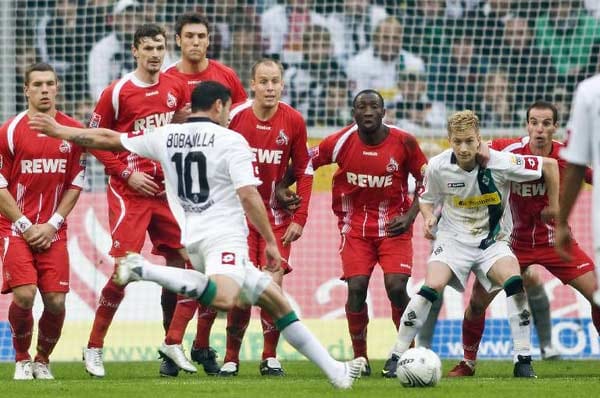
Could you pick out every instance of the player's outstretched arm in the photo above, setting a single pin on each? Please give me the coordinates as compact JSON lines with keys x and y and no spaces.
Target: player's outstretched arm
{"x":573,"y":177}
{"x":257,"y":214}
{"x":551,"y":178}
{"x":90,"y":138}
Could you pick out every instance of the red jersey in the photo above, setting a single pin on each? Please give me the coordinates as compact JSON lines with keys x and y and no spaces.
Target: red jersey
{"x":130,"y":105}
{"x":371,"y":185}
{"x":275,"y":142}
{"x":215,"y":71}
{"x":528,"y":199}
{"x":37,"y":170}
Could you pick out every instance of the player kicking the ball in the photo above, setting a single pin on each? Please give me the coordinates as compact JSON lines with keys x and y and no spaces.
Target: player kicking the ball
{"x":210,"y":184}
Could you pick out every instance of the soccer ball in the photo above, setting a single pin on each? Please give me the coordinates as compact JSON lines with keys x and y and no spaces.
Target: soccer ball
{"x":419,"y":367}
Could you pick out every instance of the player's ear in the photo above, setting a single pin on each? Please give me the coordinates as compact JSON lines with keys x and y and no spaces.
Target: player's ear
{"x":178,"y":40}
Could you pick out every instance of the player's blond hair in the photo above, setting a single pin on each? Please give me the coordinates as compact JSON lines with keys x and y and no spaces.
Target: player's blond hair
{"x":463,"y":121}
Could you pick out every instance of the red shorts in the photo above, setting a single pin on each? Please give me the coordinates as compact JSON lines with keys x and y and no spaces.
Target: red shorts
{"x":256,"y":247}
{"x":359,"y":255}
{"x":549,"y":259}
{"x":130,"y":217}
{"x":48,"y":270}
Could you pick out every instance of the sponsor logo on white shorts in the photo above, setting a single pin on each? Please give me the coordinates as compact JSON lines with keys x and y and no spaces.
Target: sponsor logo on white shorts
{"x":228,"y":258}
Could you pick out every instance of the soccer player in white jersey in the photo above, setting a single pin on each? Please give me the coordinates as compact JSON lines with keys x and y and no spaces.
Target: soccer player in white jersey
{"x":469,"y":236}
{"x":210,"y":184}
{"x":582,"y":150}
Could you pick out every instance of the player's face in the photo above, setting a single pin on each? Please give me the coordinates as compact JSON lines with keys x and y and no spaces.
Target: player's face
{"x":465,"y":145}
{"x":150,"y":53}
{"x":194,"y":41}
{"x":541,"y":129}
{"x":41,"y":91}
{"x":267,"y":85}
{"x":368,"y":112}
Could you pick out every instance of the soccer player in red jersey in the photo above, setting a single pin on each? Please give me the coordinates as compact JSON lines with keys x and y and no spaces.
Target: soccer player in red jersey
{"x":40,"y":182}
{"x":532,"y":240}
{"x":192,"y":34}
{"x":375,"y":213}
{"x":193,"y":38}
{"x":277,"y":134}
{"x":142,"y":99}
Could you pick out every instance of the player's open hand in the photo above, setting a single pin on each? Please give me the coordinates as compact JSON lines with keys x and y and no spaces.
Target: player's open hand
{"x":429,"y":225}
{"x":292,"y":233}
{"x":287,"y":199}
{"x":563,"y":241}
{"x":483,"y":154}
{"x":399,"y":224}
{"x":181,"y":115}
{"x":44,"y":123}
{"x":143,"y":183}
{"x":273,"y":257}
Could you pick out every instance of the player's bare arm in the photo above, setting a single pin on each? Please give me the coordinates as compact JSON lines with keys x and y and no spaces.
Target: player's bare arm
{"x":257,"y":214}
{"x":573,"y":177}
{"x":430,"y":220}
{"x":400,"y":224}
{"x":551,"y":178}
{"x":10,"y":210}
{"x":90,"y":138}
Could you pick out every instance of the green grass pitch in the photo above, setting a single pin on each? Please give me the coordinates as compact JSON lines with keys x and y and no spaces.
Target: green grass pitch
{"x":564,"y":379}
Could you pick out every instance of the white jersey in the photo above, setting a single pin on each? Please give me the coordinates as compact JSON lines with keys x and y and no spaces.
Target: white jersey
{"x":583,"y":147}
{"x":474,"y":201}
{"x":204,"y":164}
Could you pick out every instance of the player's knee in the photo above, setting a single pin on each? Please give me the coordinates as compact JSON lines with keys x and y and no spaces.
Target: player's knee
{"x":531,"y":278}
{"x":357,"y":289}
{"x":55,"y":304}
{"x":24,"y":297}
{"x":396,"y":290}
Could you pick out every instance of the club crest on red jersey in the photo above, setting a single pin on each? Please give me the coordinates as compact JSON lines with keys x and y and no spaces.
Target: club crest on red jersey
{"x":282,"y":138}
{"x":392,"y":166}
{"x":171,"y":100}
{"x":228,"y":258}
{"x":64,"y":147}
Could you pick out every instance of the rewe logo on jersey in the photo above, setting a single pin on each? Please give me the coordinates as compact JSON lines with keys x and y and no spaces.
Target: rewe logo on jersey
{"x":171,"y":100}
{"x":529,"y":189}
{"x":154,"y":120}
{"x":282,"y":139}
{"x":368,"y":181}
{"x":39,"y":166}
{"x":272,"y":156}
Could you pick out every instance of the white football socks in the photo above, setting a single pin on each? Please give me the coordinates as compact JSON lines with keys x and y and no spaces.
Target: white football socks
{"x":411,"y":322}
{"x":519,"y":320}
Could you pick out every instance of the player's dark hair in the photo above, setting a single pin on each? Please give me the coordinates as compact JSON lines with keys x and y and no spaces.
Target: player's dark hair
{"x":543,"y":105}
{"x":148,"y":30}
{"x":191,"y":18}
{"x":206,"y":93}
{"x":265,"y":61}
{"x":368,"y":91}
{"x":38,"y":67}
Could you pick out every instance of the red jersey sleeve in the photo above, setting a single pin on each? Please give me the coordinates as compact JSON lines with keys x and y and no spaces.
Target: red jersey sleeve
{"x":302,"y":170}
{"x":499,"y":144}
{"x":322,"y":154}
{"x":6,"y":158}
{"x":417,"y":160}
{"x":238,"y":93}
{"x":104,"y":116}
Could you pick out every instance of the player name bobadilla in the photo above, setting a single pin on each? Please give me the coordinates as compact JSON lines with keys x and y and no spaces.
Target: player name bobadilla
{"x":199,"y":139}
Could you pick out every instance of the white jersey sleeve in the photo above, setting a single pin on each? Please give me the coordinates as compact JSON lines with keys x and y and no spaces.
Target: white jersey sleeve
{"x":432,"y":191}
{"x":581,"y":128}
{"x":148,"y":144}
{"x":241,"y":169}
{"x":515,"y":167}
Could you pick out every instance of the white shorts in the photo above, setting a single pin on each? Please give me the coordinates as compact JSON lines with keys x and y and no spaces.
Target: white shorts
{"x":462,"y":259}
{"x":229,"y":257}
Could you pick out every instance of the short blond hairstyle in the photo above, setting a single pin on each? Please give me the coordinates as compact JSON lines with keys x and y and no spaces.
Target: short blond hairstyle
{"x":463,"y":121}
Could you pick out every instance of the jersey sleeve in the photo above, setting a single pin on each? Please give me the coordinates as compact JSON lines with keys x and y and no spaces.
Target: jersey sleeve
{"x":77,"y":168}
{"x":238,"y":93}
{"x":515,"y":167}
{"x":148,"y":144}
{"x":580,"y":129}
{"x":240,"y":166}
{"x":417,"y":162}
{"x":302,"y":170}
{"x":499,"y":144}
{"x":431,"y":190}
{"x":322,"y":154}
{"x":104,"y":116}
{"x":6,"y":159}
